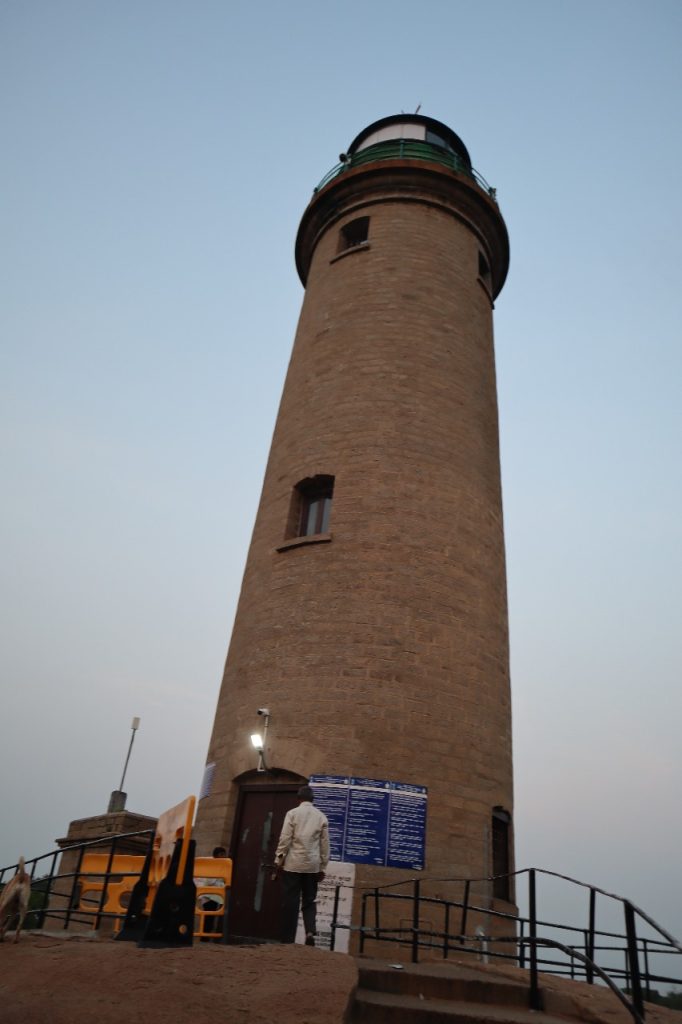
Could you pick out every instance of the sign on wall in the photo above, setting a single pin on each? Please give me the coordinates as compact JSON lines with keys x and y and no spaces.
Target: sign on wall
{"x":373,"y":821}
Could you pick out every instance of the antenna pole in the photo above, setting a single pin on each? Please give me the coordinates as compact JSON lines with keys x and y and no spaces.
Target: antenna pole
{"x":135,"y":726}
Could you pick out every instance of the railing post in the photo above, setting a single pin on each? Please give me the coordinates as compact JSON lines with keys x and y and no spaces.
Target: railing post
{"x":522,"y":944}
{"x":589,"y":945}
{"x":72,"y":896}
{"x":332,"y":942}
{"x":532,"y":935}
{"x":465,"y":911}
{"x":363,"y":921}
{"x":377,"y":926}
{"x":105,"y":887}
{"x":415,"y":922}
{"x":48,"y":891}
{"x":647,"y":976}
{"x":446,"y":941}
{"x":633,"y":959}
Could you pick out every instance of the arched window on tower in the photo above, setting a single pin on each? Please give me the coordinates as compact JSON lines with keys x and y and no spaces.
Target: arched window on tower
{"x":311,"y":506}
{"x":500,"y":832}
{"x":484,"y":274}
{"x":353,"y":234}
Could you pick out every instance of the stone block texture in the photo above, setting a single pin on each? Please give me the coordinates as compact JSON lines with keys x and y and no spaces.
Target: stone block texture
{"x":383,"y":651}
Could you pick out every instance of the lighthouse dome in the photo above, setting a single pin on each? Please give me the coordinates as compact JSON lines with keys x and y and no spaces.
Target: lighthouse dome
{"x":412,"y":127}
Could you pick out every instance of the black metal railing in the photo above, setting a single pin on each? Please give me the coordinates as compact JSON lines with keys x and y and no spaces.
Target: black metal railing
{"x":408,"y":149}
{"x":59,"y":891}
{"x":589,"y":953}
{"x":628,"y":962}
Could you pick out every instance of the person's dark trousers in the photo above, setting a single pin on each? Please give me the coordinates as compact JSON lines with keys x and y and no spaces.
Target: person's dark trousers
{"x":298,"y":888}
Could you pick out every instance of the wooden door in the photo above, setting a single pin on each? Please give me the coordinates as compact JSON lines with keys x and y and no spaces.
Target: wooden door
{"x":255,"y":899}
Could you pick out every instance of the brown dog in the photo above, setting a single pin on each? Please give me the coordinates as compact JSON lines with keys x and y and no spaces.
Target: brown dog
{"x":14,"y":900}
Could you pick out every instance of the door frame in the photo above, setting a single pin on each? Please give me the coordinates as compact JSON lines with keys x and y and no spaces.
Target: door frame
{"x":273,"y":781}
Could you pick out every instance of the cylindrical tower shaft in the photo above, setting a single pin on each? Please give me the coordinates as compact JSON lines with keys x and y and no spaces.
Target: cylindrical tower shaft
{"x":372,"y":619}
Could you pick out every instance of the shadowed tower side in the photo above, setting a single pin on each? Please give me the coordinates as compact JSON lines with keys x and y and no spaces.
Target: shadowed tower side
{"x":372,"y":621}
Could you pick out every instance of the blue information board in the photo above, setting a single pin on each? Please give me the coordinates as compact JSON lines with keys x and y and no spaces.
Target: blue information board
{"x":372,"y":821}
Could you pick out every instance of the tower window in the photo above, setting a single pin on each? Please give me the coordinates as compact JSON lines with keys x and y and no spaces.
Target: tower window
{"x":311,"y":506}
{"x":354,"y":233}
{"x":435,"y":140}
{"x":484,"y":271}
{"x":500,"y":830}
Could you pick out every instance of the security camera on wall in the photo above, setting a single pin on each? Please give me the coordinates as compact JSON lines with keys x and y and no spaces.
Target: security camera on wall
{"x":263,"y":711}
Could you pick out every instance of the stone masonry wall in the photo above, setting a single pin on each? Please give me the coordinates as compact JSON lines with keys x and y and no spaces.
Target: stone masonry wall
{"x":383,"y":651}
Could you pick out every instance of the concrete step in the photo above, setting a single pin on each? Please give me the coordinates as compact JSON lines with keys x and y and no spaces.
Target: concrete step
{"x":445,"y":980}
{"x":388,"y":1008}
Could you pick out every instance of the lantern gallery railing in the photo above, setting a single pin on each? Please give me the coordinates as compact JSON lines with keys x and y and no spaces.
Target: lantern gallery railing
{"x":408,"y":149}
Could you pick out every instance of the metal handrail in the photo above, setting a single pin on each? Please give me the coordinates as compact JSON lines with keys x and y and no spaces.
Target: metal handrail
{"x":587,"y":961}
{"x":669,"y":938}
{"x":636,"y":980}
{"x":44,"y":883}
{"x":408,"y":149}
{"x":613,"y":896}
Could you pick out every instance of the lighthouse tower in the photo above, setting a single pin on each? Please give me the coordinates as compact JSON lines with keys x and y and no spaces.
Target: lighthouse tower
{"x":371,"y":632}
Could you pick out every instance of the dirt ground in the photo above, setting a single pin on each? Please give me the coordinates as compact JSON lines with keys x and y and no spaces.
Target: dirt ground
{"x":51,"y":979}
{"x":54,"y":980}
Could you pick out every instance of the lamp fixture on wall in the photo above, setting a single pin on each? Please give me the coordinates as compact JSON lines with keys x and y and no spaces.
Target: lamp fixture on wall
{"x":259,"y":740}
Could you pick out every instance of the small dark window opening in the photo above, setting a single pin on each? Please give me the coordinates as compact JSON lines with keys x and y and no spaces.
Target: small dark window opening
{"x":484,"y":270}
{"x":502,"y":881}
{"x":311,"y":507}
{"x":435,"y":140}
{"x":354,"y":233}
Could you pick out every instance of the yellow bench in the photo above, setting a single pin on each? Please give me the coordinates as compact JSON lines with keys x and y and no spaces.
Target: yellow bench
{"x":157,"y":894}
{"x":124,"y":872}
{"x":208,"y":868}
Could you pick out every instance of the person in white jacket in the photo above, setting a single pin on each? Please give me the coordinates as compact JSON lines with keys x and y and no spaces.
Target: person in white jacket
{"x":301,"y":859}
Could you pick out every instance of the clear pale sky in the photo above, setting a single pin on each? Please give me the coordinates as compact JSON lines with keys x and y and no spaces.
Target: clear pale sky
{"x":158,"y":155}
